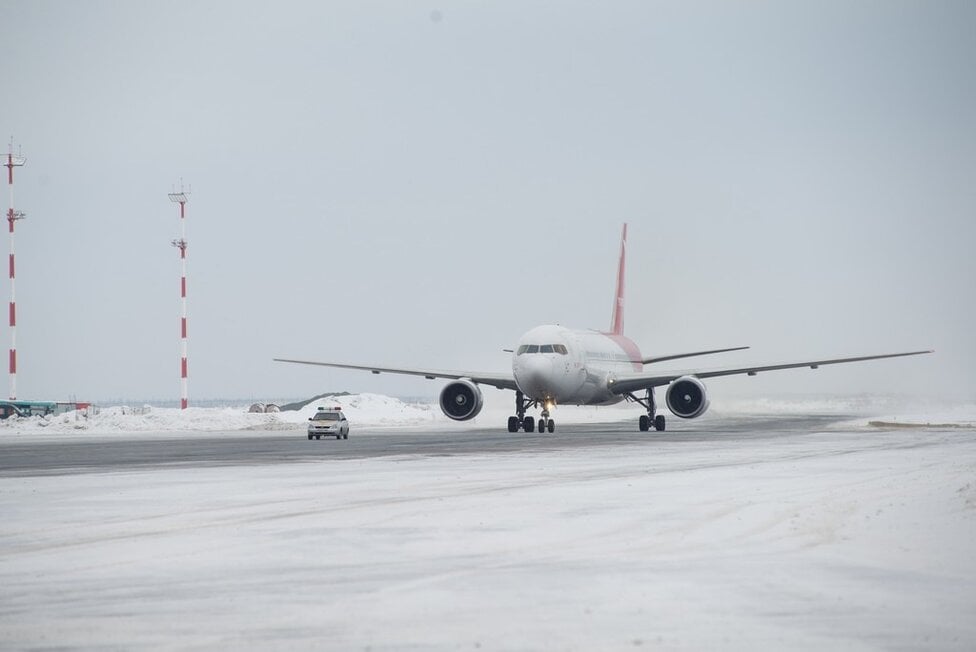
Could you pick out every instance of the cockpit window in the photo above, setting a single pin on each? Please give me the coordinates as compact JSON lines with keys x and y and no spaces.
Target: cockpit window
{"x":543,"y":348}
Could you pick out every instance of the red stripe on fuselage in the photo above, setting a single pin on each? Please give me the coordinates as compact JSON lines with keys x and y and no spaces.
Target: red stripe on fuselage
{"x":631,"y":349}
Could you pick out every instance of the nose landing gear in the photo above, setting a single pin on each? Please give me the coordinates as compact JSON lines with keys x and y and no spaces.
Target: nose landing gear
{"x":545,"y":423}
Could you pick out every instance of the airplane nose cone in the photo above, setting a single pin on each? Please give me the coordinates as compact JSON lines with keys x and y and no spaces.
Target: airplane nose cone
{"x":534,"y":374}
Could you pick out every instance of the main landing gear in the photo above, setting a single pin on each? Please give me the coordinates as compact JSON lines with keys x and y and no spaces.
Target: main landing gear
{"x":528,"y":424}
{"x":647,"y":420}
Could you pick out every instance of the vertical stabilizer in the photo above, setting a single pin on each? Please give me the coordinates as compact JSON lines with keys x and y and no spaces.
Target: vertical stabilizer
{"x":617,"y":322}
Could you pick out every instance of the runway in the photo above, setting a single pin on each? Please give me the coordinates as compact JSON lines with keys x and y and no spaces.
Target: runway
{"x":148,"y":450}
{"x":790,"y":532}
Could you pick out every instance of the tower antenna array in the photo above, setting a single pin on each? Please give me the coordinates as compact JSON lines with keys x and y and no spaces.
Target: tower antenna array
{"x":12,"y":217}
{"x":181,"y":199}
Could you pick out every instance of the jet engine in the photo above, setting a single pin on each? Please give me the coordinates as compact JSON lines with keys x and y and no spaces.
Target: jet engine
{"x":461,"y":400}
{"x":686,"y":397}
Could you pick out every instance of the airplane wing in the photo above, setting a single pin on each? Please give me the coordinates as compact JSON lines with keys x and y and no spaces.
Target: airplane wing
{"x":675,"y":356}
{"x":627,"y":383}
{"x":499,"y":380}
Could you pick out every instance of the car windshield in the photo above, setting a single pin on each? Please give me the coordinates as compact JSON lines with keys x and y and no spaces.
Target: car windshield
{"x":326,"y":416}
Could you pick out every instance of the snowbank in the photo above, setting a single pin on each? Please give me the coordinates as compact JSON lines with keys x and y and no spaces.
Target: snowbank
{"x":378,"y":411}
{"x":368,"y":410}
{"x":870,"y":410}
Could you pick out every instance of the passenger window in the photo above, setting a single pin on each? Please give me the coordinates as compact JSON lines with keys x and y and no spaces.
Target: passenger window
{"x":545,"y":348}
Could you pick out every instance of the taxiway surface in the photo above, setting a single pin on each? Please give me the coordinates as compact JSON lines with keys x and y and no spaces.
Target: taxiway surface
{"x":147,"y":450}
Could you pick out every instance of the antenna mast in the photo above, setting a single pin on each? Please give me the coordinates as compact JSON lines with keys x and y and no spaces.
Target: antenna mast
{"x":181,"y":199}
{"x":12,"y":217}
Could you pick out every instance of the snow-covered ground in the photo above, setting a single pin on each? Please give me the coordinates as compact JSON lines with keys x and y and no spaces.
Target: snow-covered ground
{"x":363,"y":409}
{"x":857,"y":537}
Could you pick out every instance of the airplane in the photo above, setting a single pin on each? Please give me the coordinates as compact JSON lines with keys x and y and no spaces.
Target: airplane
{"x":553,"y":365}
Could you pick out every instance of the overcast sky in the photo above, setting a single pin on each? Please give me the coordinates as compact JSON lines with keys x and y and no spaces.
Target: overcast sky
{"x":419,"y":183}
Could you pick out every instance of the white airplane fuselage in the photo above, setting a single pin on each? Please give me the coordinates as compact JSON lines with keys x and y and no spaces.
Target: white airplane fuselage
{"x":561,"y":366}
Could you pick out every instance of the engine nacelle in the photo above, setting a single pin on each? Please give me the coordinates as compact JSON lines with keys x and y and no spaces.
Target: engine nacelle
{"x":461,"y":400}
{"x":686,"y":397}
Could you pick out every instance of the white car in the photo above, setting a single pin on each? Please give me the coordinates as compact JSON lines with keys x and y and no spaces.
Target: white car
{"x":330,"y":422}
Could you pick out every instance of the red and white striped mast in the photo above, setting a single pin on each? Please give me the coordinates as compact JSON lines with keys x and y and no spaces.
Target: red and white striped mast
{"x":12,"y":217}
{"x":181,"y":199}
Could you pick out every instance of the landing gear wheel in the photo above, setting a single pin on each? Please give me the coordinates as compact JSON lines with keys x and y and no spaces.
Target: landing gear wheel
{"x":542,"y":426}
{"x":529,"y":424}
{"x":513,"y":424}
{"x":551,"y":426}
{"x":310,"y":437}
{"x":659,"y":423}
{"x":338,"y":437}
{"x":346,"y":436}
{"x":643,"y":424}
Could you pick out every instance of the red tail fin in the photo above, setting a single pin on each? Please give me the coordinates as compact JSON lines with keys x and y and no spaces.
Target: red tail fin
{"x":617,"y":323}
